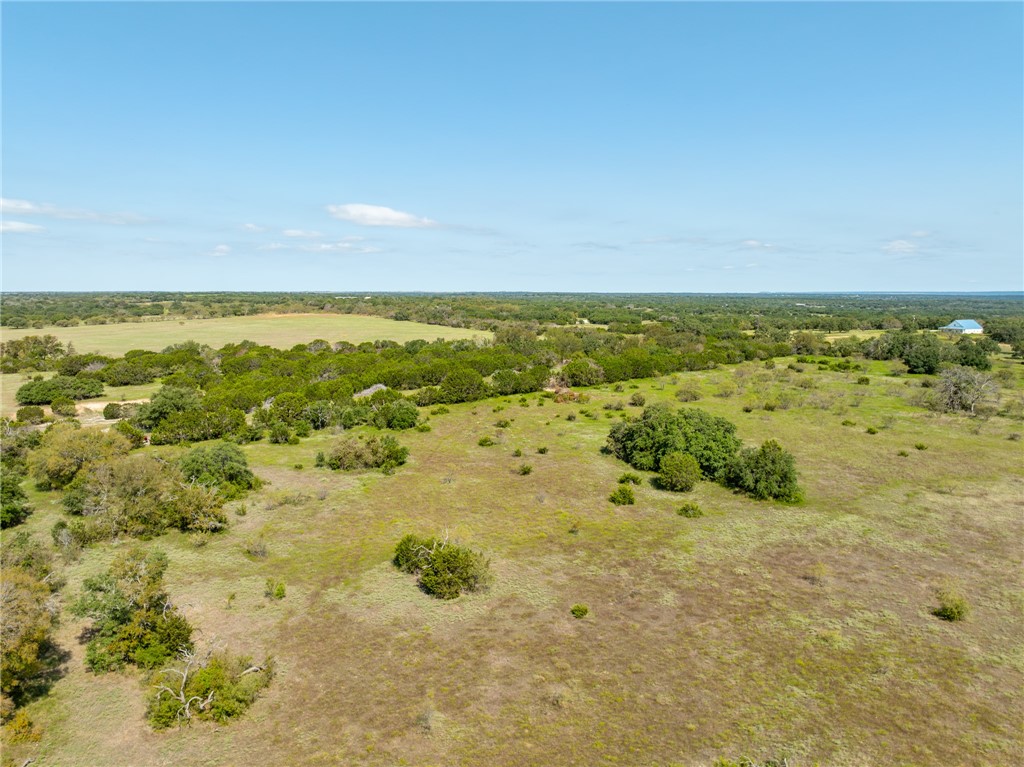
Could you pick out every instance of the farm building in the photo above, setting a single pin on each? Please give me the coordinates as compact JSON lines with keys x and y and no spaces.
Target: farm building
{"x":963,"y":326}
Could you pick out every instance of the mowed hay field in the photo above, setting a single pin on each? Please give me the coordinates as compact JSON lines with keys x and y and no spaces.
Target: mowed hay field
{"x":279,"y":330}
{"x":772,"y":631}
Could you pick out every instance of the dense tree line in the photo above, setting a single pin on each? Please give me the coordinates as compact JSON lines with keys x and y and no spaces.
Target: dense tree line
{"x":624,"y":312}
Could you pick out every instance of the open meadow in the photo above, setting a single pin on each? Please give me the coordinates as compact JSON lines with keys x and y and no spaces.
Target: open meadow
{"x":761,"y":629}
{"x":278,"y":330}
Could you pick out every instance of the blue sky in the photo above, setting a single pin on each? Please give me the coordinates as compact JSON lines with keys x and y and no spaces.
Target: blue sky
{"x":731,"y":147}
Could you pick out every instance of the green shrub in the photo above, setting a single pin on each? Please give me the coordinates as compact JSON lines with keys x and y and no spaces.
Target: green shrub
{"x":376,"y":452}
{"x":952,"y":605}
{"x":321,"y":459}
{"x":64,"y":406}
{"x":863,"y":381}
{"x":690,"y":510}
{"x":767,"y":472}
{"x":525,"y":469}
{"x":579,"y":611}
{"x":517,"y":453}
{"x":637,"y":400}
{"x":871,"y":430}
{"x":542,"y":450}
{"x":274,"y":589}
{"x":643,"y":442}
{"x":678,"y":472}
{"x":439,"y":410}
{"x":848,"y":422}
{"x":218,"y":688}
{"x":920,"y":446}
{"x":504,"y":423}
{"x":445,"y":569}
{"x":630,"y":478}
{"x":131,"y":619}
{"x":111,"y":411}
{"x":30,"y":414}
{"x":222,"y":466}
{"x":486,"y":441}
{"x":902,"y":453}
{"x":135,"y":436}
{"x":64,"y":387}
{"x":623,"y":496}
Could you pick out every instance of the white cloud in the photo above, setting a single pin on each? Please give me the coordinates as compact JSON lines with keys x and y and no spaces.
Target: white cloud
{"x":254,"y":228}
{"x":221,"y":250}
{"x":26,"y":208}
{"x":347,"y":245}
{"x":900,"y":247}
{"x":301,"y":233}
{"x":19,"y":227}
{"x":378,"y":215}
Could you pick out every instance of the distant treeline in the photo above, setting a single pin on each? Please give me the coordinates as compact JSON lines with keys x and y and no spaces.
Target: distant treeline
{"x":710,"y":314}
{"x":209,"y":392}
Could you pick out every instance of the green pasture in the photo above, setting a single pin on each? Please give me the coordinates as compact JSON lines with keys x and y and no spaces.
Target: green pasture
{"x":760,"y":629}
{"x":279,"y":330}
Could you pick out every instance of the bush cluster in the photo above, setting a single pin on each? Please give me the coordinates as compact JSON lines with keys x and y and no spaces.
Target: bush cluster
{"x":445,"y":569}
{"x":218,"y":688}
{"x":375,"y":452}
{"x":133,"y":620}
{"x":690,"y":444}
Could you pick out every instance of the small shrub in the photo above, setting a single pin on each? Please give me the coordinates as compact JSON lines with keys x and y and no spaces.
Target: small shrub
{"x":767,"y":472}
{"x":848,"y":422}
{"x":748,"y":408}
{"x":920,"y":446}
{"x":31,"y":414}
{"x":445,"y":569}
{"x":274,"y":589}
{"x":486,"y":441}
{"x":424,"y":427}
{"x":504,"y":423}
{"x":902,"y":453}
{"x":637,"y":400}
{"x":64,"y":406}
{"x":542,"y":450}
{"x":618,"y":388}
{"x":690,"y":510}
{"x":21,"y":730}
{"x":952,"y":605}
{"x":678,"y":472}
{"x":574,"y":526}
{"x":321,"y":460}
{"x":871,"y":430}
{"x":629,"y":478}
{"x":623,"y":496}
{"x":579,"y":611}
{"x":525,"y":469}
{"x":439,"y":410}
{"x":570,"y":417}
{"x":771,"y":406}
{"x":256,"y":548}
{"x":863,"y":381}
{"x":688,"y":392}
{"x":242,"y":510}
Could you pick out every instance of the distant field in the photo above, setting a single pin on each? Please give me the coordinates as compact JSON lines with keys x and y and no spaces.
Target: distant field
{"x":278,"y":330}
{"x":11,"y":382}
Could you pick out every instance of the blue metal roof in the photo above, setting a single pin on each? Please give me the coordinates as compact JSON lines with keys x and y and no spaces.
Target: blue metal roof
{"x":964,"y":325}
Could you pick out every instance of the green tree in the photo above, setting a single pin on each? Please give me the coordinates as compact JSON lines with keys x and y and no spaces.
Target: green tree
{"x":679,"y":472}
{"x":65,"y":449}
{"x":765,"y":472}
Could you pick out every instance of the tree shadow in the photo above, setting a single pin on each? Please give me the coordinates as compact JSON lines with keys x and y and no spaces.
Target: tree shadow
{"x":54,"y":660}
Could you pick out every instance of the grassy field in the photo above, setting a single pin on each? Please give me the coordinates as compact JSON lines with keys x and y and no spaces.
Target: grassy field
{"x":760,"y":629}
{"x":279,"y":330}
